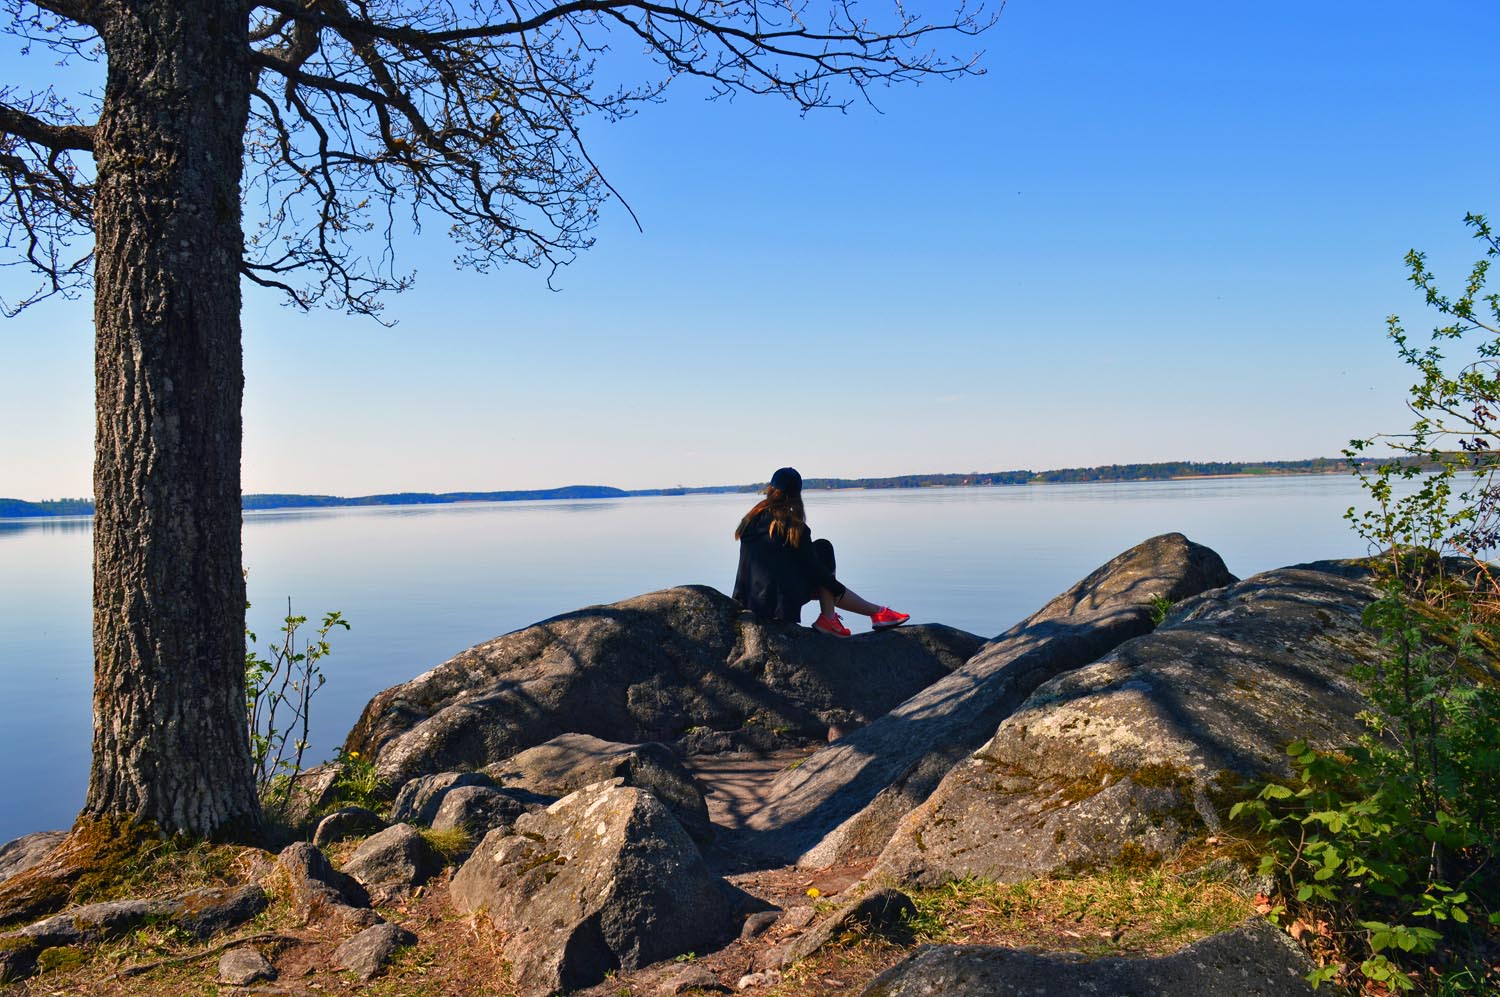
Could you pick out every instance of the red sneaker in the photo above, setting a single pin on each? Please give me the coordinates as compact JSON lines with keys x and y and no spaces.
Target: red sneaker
{"x":888,"y":618}
{"x":831,"y":624}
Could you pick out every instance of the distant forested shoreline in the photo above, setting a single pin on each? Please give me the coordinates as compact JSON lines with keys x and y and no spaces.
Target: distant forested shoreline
{"x":20,"y":509}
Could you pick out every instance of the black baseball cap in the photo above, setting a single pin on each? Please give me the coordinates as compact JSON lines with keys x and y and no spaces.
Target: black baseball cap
{"x":787,"y":479}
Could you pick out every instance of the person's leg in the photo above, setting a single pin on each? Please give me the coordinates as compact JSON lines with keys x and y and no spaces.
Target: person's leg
{"x":850,"y":600}
{"x":854,"y":603}
{"x":882,"y":617}
{"x":823,"y":550}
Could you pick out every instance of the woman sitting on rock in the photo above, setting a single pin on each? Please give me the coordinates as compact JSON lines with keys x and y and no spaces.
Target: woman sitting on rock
{"x":782,"y":566}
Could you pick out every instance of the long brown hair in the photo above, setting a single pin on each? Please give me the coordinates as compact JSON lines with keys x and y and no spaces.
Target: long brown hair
{"x":788,"y":518}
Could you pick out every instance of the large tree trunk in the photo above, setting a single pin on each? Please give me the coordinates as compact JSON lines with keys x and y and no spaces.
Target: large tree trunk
{"x":169,"y":595}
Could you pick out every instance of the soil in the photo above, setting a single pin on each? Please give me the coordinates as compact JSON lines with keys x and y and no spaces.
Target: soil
{"x":458,"y":955}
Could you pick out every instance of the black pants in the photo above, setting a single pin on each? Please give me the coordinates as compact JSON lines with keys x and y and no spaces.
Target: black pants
{"x":824,"y":551}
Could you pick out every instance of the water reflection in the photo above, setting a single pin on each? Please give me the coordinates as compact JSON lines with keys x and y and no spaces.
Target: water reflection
{"x":421,"y":583}
{"x":256,"y":517}
{"x":45,"y":525}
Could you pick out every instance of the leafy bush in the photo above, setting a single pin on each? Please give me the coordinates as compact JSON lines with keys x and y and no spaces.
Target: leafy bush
{"x":1388,"y":845}
{"x":356,"y":782}
{"x":278,"y":699}
{"x":1390,"y":848}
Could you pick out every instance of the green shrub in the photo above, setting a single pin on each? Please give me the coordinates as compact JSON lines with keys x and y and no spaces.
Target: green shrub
{"x":356,"y":783}
{"x":1391,"y":846}
{"x":278,"y":701}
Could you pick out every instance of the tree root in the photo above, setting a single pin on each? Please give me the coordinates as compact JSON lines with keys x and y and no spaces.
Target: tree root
{"x":91,"y":855}
{"x":137,"y":969}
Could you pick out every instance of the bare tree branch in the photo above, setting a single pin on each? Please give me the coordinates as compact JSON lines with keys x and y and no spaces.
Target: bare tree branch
{"x":369,"y":111}
{"x":46,"y":202}
{"x":67,"y":27}
{"x":77,"y":11}
{"x":19,"y":124}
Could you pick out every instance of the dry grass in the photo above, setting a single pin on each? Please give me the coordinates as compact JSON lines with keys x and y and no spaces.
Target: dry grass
{"x":1110,"y":913}
{"x":1135,"y":913}
{"x":1129,"y":911}
{"x":451,"y":843}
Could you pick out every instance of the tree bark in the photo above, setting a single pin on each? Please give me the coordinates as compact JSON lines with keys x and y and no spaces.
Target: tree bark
{"x":170,"y":743}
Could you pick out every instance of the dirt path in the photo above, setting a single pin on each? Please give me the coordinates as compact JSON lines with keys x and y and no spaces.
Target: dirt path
{"x":737,"y":785}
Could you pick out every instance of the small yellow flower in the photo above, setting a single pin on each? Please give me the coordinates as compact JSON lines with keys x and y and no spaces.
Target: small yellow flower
{"x":814,"y":892}
{"x":354,"y":754}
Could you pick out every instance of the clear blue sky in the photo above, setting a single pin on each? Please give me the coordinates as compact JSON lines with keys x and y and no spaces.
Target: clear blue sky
{"x":1150,"y":232}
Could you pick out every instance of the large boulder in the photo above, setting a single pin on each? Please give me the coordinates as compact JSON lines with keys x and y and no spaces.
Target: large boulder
{"x":604,"y":879}
{"x":843,"y":803}
{"x":21,"y":854}
{"x":420,"y":799}
{"x":1253,"y":960}
{"x":1147,"y":747}
{"x":571,"y":761}
{"x":477,"y":810}
{"x":646,"y":669}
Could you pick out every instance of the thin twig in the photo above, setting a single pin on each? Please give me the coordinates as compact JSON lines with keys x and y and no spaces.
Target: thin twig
{"x":146,"y":967}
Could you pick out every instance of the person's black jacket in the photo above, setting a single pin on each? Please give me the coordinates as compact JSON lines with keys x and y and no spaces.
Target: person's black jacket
{"x":774,"y":578}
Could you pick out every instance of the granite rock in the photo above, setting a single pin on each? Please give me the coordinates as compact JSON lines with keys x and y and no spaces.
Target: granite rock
{"x":393,"y":863}
{"x":653,"y":668}
{"x":843,"y":803}
{"x":571,"y":761}
{"x":367,"y":954}
{"x":604,"y":879}
{"x":1146,"y":747}
{"x":1253,"y":960}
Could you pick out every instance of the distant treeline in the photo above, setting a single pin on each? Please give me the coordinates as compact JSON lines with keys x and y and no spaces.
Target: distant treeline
{"x":17,"y":509}
{"x":429,"y":498}
{"x":1109,"y":472}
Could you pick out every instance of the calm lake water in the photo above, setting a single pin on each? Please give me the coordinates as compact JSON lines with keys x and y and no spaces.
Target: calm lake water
{"x":419,"y":584}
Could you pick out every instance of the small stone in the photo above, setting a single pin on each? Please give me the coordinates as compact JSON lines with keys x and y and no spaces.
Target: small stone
{"x":243,"y":966}
{"x":367,"y":953}
{"x":205,"y":912}
{"x":314,"y":881}
{"x":349,"y":822}
{"x":689,"y":978}
{"x":477,"y":810}
{"x":320,"y":892}
{"x":798,"y":917}
{"x":351,"y":918}
{"x":886,"y":910}
{"x":419,"y":799}
{"x":762,"y":979}
{"x":759,"y":923}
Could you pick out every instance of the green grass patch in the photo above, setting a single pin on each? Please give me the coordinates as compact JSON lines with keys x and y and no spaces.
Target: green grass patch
{"x":1114,"y":912}
{"x":452,"y":843}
